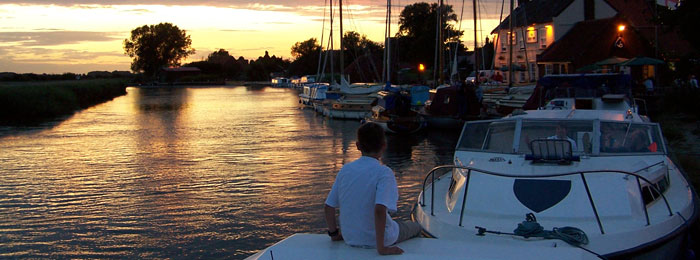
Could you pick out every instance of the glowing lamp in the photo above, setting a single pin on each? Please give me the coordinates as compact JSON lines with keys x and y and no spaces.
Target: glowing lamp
{"x":530,"y":28}
{"x":621,"y":28}
{"x":421,"y":67}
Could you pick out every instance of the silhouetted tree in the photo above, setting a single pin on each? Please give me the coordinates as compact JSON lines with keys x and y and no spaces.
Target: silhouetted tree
{"x":154,"y":46}
{"x":417,"y":31}
{"x":260,"y":69}
{"x":357,"y":45}
{"x":305,"y":57}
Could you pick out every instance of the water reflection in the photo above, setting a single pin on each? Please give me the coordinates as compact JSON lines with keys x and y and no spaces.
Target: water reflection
{"x":193,"y":173}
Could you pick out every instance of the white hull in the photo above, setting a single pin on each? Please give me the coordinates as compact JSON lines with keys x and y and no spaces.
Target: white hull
{"x":319,"y":246}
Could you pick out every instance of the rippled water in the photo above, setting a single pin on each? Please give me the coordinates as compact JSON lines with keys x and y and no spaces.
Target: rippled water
{"x":184,"y":173}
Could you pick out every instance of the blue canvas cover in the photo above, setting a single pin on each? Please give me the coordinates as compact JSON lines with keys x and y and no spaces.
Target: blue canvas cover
{"x":419,"y":94}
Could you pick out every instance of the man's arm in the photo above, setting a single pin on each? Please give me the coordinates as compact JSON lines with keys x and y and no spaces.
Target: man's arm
{"x":379,"y":223}
{"x":332,"y":225}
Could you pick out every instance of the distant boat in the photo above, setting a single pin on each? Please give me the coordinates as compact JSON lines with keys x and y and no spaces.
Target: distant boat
{"x":281,"y":82}
{"x":394,"y":112}
{"x":450,"y":107}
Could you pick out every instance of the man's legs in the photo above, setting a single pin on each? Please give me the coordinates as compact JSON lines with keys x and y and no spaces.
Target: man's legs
{"x":407,"y":230}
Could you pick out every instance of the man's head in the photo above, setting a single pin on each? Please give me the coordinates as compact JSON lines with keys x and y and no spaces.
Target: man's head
{"x":370,"y":139}
{"x":561,"y":131}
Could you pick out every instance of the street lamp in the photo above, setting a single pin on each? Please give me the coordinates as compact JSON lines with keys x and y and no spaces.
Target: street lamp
{"x":621,"y":28}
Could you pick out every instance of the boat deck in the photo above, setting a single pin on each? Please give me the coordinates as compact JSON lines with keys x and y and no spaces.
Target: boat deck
{"x":319,"y":246}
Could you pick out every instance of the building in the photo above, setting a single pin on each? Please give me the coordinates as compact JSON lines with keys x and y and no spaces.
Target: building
{"x":540,"y":25}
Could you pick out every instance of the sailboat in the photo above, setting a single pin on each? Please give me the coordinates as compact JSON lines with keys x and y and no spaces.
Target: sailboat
{"x":454,"y":103}
{"x":395,"y":109}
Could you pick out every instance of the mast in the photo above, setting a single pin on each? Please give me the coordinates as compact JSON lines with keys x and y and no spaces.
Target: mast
{"x":342,"y":50}
{"x":330,"y":83}
{"x":387,"y":47}
{"x":476,"y":44}
{"x":510,"y":46}
{"x":441,"y":43}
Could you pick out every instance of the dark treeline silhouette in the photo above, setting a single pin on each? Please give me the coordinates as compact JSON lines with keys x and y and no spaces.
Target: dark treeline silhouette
{"x":11,"y":76}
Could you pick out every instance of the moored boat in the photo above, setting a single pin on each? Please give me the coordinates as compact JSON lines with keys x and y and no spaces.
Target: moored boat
{"x":394,"y":112}
{"x":596,"y":178}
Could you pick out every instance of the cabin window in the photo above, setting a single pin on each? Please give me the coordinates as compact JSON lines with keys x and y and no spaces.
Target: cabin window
{"x":650,"y":194}
{"x":626,"y":138}
{"x":578,"y":133}
{"x":488,"y":136}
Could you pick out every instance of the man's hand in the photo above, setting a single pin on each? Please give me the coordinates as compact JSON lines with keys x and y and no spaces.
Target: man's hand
{"x":393,"y":250}
{"x":337,"y":237}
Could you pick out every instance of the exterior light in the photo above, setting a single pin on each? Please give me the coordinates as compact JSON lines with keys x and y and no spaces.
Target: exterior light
{"x":421,"y":67}
{"x":530,"y":28}
{"x":621,"y":28}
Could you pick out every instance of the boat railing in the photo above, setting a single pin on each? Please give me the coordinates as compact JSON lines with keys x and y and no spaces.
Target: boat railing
{"x":431,"y":175}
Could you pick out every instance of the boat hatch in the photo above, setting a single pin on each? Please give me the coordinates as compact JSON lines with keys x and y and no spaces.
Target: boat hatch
{"x":551,"y":151}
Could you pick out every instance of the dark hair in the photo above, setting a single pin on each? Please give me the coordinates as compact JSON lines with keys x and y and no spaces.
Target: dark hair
{"x":370,"y":138}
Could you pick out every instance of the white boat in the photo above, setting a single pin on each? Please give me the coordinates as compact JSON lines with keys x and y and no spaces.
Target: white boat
{"x":349,"y":107}
{"x":281,"y":82}
{"x":312,"y":93}
{"x":608,"y":188}
{"x":511,"y":183}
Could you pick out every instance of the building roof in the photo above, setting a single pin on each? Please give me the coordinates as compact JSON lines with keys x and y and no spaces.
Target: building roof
{"x":591,"y":41}
{"x":534,"y":11}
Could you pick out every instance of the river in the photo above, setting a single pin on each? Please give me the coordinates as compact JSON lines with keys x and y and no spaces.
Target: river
{"x":218,"y":172}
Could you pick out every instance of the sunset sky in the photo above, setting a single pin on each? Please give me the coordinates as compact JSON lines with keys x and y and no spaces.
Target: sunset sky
{"x":87,"y":35}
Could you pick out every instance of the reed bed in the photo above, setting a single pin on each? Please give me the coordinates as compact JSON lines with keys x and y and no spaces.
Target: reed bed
{"x":26,"y":103}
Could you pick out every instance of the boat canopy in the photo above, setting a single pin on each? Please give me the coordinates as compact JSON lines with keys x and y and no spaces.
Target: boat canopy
{"x":578,"y":86}
{"x":586,"y":137}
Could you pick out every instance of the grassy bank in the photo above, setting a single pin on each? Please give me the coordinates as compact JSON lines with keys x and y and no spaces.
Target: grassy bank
{"x":28,"y":103}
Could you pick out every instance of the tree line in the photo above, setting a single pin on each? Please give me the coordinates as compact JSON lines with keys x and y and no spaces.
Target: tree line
{"x":155,"y":46}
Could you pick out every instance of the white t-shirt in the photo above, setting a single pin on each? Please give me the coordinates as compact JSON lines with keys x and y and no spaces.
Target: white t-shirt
{"x":358,"y":187}
{"x":573,"y":143}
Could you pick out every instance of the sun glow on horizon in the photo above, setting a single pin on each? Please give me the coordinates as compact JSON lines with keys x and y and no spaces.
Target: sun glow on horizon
{"x":57,"y":39}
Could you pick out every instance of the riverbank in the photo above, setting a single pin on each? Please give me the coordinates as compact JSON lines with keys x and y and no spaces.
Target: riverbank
{"x":27,"y":103}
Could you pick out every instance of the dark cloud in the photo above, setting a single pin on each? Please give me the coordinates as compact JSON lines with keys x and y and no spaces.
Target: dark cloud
{"x":52,"y":37}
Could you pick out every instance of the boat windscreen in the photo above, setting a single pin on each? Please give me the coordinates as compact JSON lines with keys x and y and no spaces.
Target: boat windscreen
{"x":488,"y":136}
{"x":578,"y":133}
{"x":618,"y":138}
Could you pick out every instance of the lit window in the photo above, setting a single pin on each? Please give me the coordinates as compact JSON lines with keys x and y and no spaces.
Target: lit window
{"x":503,"y":42}
{"x":531,"y":35}
{"x":543,"y":38}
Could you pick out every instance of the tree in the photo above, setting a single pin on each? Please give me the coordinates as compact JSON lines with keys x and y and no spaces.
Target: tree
{"x":305,"y":57}
{"x":357,"y":45}
{"x":417,"y":31}
{"x":154,"y":46}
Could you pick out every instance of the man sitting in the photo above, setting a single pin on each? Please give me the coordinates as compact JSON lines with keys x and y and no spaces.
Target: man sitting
{"x":561,"y":134}
{"x":363,"y":191}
